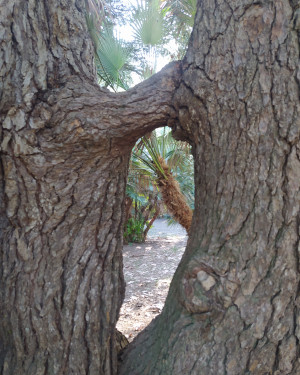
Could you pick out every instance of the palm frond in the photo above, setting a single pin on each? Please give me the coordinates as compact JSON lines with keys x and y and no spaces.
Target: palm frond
{"x":182,"y":11}
{"x":148,"y":23}
{"x":167,"y":165}
{"x":96,"y":9}
{"x":111,"y":56}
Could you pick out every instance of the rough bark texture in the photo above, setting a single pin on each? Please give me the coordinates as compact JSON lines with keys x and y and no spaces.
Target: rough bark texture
{"x":65,"y":146}
{"x":234,"y":304}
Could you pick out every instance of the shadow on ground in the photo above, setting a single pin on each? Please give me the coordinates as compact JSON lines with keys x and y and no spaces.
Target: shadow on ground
{"x":148,"y":271}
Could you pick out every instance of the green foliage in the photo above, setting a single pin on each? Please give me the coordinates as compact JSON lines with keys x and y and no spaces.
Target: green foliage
{"x":145,"y":166}
{"x":148,"y":23}
{"x":96,"y":10}
{"x":154,"y":23}
{"x":182,"y":12}
{"x":145,"y":203}
{"x":111,"y":56}
{"x":145,"y":162}
{"x":134,"y":230}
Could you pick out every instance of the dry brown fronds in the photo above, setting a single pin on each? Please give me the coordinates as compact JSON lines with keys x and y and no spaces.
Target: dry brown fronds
{"x":173,"y":198}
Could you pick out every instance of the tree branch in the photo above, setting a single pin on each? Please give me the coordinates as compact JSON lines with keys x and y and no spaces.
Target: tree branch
{"x":82,"y":112}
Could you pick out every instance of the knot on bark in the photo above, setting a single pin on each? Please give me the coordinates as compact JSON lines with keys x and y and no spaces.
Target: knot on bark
{"x":206,"y":290}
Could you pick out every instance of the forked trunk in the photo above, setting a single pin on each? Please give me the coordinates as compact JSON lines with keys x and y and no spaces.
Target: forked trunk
{"x":233,"y":305}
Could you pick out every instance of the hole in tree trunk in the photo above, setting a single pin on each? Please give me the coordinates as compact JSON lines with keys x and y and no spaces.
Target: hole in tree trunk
{"x":155,"y":240}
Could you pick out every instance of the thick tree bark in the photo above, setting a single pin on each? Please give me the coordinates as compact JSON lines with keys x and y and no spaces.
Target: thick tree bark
{"x":234,"y":304}
{"x":65,"y":148}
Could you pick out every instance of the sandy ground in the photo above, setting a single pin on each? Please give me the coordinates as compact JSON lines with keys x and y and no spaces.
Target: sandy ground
{"x":148,"y":270}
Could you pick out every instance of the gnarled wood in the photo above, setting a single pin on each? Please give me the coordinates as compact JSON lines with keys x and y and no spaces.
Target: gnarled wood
{"x":65,"y":146}
{"x":233,"y":305}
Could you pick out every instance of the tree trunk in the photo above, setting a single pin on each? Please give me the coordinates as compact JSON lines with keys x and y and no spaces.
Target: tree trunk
{"x":173,"y":197}
{"x":234,"y":304}
{"x":128,"y":206}
{"x":65,"y":149}
{"x":151,"y":222}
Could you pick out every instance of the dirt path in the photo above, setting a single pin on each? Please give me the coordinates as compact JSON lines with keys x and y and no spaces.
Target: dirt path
{"x":148,"y":270}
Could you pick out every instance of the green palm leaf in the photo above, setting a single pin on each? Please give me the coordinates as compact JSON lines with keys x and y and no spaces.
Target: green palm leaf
{"x":111,"y":56}
{"x":148,"y":23}
{"x":182,"y":11}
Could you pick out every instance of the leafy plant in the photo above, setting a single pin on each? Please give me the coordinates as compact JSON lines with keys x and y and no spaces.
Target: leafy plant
{"x":180,"y":16}
{"x":111,"y":56}
{"x":161,"y":162}
{"x":96,"y":10}
{"x":134,"y":230}
{"x":148,"y":23}
{"x":160,"y":168}
{"x":182,"y":12}
{"x":142,"y":205}
{"x":154,"y":24}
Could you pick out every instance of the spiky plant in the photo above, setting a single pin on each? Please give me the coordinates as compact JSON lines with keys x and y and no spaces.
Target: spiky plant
{"x":111,"y":56}
{"x":148,"y":23}
{"x":180,"y":19}
{"x":142,"y":205}
{"x":182,"y":11}
{"x":158,"y":157}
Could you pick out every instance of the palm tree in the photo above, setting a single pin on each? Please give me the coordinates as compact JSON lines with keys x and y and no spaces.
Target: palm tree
{"x":96,"y":9}
{"x":157,"y":160}
{"x":154,"y":23}
{"x":148,"y":23}
{"x":143,"y":202}
{"x":182,"y":11}
{"x":161,"y":160}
